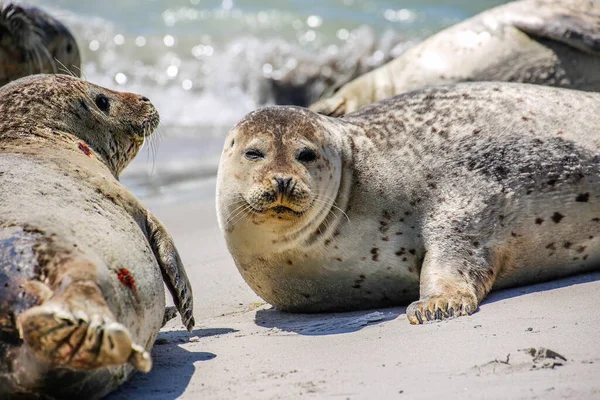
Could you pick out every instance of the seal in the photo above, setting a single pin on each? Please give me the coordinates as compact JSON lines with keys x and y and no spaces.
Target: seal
{"x":433,"y":197}
{"x":82,"y":261}
{"x":32,"y":42}
{"x":546,"y":42}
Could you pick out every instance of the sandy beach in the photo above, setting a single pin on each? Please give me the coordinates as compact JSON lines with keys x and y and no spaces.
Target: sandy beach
{"x":241,"y":348}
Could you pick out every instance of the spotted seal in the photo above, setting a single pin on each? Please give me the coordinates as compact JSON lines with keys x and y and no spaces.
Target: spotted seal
{"x":32,"y":42}
{"x":547,"y":42}
{"x":433,"y":197}
{"x":82,"y":261}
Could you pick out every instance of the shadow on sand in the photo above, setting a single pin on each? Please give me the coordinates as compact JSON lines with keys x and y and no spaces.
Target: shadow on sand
{"x":542,"y":287}
{"x":325,"y":323}
{"x":173,"y":367}
{"x":345,"y":322}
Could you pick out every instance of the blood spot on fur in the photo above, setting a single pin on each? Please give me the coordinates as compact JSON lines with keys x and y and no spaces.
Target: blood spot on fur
{"x":126,"y":278}
{"x":557,"y":217}
{"x":85,"y":149}
{"x":583,"y":197}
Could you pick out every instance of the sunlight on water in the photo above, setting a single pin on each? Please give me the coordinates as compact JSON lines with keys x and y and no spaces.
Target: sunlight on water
{"x":206,"y":63}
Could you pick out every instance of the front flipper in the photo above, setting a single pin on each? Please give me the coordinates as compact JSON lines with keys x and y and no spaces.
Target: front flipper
{"x":576,"y":24}
{"x":172,"y":270}
{"x":453,"y":282}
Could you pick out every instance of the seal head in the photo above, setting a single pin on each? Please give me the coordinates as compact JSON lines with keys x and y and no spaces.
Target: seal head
{"x":113,"y":124}
{"x":31,"y":42}
{"x":285,"y":176}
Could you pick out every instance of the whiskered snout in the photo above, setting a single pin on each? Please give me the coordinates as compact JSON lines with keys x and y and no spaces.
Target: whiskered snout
{"x":280,"y":194}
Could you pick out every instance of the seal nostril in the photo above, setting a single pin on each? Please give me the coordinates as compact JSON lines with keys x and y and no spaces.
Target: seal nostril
{"x":283,"y":184}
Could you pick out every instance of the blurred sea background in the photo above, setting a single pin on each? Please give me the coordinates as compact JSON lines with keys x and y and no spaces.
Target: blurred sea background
{"x":206,"y":63}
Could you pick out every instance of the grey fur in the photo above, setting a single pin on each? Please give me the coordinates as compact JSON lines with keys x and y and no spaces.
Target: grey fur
{"x":440,"y":195}
{"x":546,"y":42}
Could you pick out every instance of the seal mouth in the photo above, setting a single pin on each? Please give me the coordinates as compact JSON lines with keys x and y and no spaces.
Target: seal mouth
{"x":150,"y":124}
{"x":279,"y":210}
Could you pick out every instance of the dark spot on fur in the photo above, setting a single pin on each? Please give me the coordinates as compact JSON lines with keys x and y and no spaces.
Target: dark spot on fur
{"x":412,"y":251}
{"x":585,"y":257}
{"x":551,"y":182}
{"x":290,"y":262}
{"x":326,"y":243}
{"x":400,"y":253}
{"x":583,"y":197}
{"x":306,"y":295}
{"x":476,"y":131}
{"x":357,"y":286}
{"x":411,"y":270}
{"x":581,"y":249}
{"x":539,"y":221}
{"x":375,"y":252}
{"x":404,"y":259}
{"x":339,"y":259}
{"x":557,"y":217}
{"x":551,"y":246}
{"x":567,"y":245}
{"x":476,"y":244}
{"x":596,"y":219}
{"x":363,"y":258}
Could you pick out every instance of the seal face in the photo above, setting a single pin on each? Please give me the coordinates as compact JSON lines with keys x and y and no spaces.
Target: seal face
{"x":546,"y":42}
{"x":33,"y":42}
{"x":434,"y":197}
{"x":82,"y":262}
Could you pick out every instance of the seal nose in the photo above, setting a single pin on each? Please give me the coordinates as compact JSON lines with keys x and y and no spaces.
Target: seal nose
{"x":283,"y":184}
{"x":144,"y":98}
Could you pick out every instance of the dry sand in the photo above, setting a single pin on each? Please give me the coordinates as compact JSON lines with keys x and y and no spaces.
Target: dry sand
{"x":243,"y":349}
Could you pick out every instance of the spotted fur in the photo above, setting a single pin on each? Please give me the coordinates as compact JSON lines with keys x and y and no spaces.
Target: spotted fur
{"x":436,"y":197}
{"x":68,"y":231}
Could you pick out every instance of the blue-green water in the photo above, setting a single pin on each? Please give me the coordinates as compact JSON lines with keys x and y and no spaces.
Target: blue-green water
{"x":206,"y":63}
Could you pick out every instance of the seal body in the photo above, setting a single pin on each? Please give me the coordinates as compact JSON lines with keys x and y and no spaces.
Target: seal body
{"x":81,"y":260}
{"x":433,"y":197}
{"x":33,"y":42}
{"x":546,"y":42}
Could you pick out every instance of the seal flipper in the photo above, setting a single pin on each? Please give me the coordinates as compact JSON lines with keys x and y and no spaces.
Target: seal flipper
{"x":170,"y":313}
{"x":172,"y":270}
{"x":75,"y":328}
{"x":573,"y":27}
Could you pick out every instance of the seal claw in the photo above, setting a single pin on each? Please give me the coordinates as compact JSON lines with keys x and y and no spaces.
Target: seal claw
{"x":440,"y":307}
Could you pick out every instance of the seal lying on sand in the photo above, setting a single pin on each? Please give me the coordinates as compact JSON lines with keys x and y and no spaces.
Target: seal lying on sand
{"x":438,"y":195}
{"x":82,"y":261}
{"x":33,"y":42}
{"x":547,"y":42}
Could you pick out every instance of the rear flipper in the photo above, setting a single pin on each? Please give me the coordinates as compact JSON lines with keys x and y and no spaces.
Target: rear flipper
{"x":74,"y":328}
{"x":576,"y":24}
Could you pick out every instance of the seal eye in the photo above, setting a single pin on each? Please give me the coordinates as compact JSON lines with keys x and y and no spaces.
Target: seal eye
{"x":102,"y":102}
{"x":254,"y":155}
{"x":306,"y":156}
